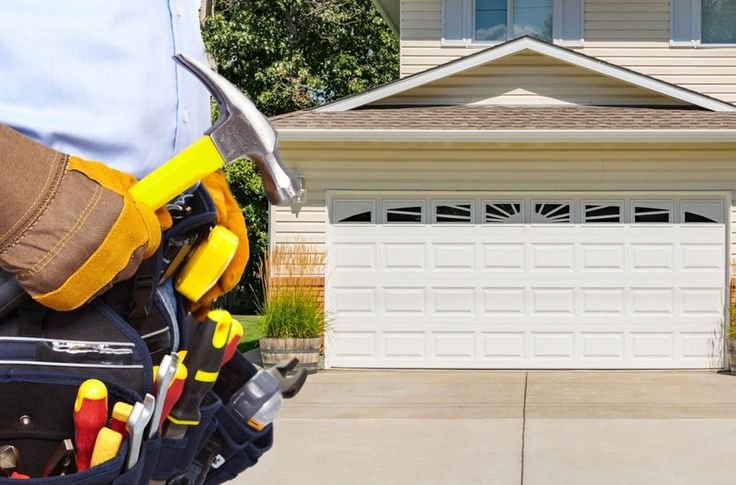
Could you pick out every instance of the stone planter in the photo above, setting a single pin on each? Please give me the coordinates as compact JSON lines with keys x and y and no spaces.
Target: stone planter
{"x":731,"y":348}
{"x":307,"y":350}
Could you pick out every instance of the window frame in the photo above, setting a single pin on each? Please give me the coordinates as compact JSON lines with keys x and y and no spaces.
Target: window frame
{"x":469,"y":40}
{"x":696,"y":28}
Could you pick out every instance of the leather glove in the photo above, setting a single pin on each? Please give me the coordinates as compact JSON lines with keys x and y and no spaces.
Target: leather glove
{"x":68,"y":228}
{"x":229,"y":216}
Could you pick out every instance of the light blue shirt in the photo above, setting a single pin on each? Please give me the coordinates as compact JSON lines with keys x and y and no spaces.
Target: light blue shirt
{"x":96,"y":78}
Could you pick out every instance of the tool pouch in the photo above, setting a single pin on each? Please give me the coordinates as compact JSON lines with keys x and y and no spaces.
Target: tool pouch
{"x":36,"y":417}
{"x":233,"y":446}
{"x":177,"y":455}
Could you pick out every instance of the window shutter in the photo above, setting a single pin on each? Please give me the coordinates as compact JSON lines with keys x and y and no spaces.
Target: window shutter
{"x":571,"y":21}
{"x":453,"y":13}
{"x":682,"y":21}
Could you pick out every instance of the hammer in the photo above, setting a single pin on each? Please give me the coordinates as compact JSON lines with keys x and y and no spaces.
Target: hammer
{"x":241,"y":131}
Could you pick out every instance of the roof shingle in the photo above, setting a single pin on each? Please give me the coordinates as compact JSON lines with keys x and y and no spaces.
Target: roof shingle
{"x":509,"y":118}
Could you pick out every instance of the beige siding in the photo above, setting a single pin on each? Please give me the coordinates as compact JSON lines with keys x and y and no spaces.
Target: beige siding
{"x":479,"y":167}
{"x":629,"y":33}
{"x":529,"y":78}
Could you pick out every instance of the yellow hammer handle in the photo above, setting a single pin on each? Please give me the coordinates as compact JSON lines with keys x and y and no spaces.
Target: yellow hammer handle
{"x":185,"y":169}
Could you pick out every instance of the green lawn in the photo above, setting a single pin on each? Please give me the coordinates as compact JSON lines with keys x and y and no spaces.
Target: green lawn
{"x":252,"y":331}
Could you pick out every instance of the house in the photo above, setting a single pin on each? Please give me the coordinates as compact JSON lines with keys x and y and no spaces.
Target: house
{"x":549,"y":185}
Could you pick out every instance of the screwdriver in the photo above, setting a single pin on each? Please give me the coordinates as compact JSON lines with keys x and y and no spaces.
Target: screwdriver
{"x":236,"y":333}
{"x":90,"y":415}
{"x":120,"y":413}
{"x":106,"y":446}
{"x":175,"y":389}
{"x":203,"y":362}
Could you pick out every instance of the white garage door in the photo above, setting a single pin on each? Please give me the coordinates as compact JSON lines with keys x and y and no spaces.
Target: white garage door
{"x":526,"y":281}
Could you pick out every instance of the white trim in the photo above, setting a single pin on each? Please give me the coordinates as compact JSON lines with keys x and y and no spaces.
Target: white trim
{"x":543,"y":48}
{"x":386,"y":17}
{"x":510,"y":136}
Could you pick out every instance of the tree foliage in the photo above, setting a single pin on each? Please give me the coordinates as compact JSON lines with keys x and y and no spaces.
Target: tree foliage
{"x":288,"y":55}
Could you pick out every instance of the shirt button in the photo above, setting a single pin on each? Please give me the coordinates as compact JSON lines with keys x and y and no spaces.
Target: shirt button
{"x":177,"y":8}
{"x":185,"y":116}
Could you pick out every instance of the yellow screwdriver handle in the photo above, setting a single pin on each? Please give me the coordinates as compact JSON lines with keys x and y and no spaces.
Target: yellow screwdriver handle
{"x":185,"y":169}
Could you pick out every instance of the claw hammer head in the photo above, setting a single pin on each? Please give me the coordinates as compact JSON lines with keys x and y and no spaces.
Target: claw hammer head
{"x":243,"y":131}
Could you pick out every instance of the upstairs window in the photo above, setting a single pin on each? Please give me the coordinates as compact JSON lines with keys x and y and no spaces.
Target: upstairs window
{"x":718,"y":22}
{"x":501,"y":20}
{"x":465,"y":22}
{"x":695,"y":22}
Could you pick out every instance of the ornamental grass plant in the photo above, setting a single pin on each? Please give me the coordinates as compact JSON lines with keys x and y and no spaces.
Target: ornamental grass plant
{"x":293,"y":306}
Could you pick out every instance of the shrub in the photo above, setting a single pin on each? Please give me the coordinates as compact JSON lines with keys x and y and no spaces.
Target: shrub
{"x":293,"y":306}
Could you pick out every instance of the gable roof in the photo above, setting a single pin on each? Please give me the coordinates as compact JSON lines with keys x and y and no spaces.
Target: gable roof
{"x":540,"y":47}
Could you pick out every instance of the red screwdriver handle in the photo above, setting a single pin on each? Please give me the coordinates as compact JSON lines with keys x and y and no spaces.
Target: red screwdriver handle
{"x":90,"y":416}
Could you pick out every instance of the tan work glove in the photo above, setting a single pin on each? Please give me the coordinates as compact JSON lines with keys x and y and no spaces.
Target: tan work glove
{"x":229,"y":216}
{"x":68,"y":228}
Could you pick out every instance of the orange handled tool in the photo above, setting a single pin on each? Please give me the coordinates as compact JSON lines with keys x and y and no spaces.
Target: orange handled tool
{"x":90,"y":416}
{"x":236,"y":333}
{"x":120,"y":413}
{"x":175,"y":389}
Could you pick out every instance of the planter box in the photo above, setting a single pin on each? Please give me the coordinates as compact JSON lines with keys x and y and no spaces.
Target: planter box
{"x":732,"y":355}
{"x":307,"y":350}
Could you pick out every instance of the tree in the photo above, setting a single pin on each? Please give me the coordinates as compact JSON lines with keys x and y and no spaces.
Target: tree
{"x":288,"y":55}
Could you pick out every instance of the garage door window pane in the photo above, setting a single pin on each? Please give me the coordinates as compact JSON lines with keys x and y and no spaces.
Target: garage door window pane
{"x":503,"y":212}
{"x":453,"y":213}
{"x":602,"y":213}
{"x":354,"y":211}
{"x":697,"y":212}
{"x":404,"y":212}
{"x":552,"y":213}
{"x":653,"y":212}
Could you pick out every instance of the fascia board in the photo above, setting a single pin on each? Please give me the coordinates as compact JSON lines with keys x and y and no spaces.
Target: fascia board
{"x":509,"y":136}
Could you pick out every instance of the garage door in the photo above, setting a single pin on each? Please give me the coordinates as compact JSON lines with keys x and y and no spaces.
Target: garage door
{"x":534,"y":280}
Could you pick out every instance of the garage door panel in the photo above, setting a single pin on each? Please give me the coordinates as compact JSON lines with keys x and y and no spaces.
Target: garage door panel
{"x":546,"y":295}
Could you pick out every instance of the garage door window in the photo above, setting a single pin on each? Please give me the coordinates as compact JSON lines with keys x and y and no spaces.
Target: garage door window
{"x":504,"y":212}
{"x":603,"y":212}
{"x":652,"y":211}
{"x":552,"y":212}
{"x":699,"y":212}
{"x":453,"y":212}
{"x":403,"y":211}
{"x":354,"y":211}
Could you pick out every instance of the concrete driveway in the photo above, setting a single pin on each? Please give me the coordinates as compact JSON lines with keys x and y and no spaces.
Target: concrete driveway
{"x":532,"y":428}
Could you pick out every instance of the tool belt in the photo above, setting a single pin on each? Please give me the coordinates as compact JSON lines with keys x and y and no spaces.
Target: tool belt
{"x":117,"y":338}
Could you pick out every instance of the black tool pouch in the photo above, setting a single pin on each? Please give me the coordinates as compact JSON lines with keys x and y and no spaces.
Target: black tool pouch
{"x":44,"y":356}
{"x":233,"y":446}
{"x":177,"y":455}
{"x":37,"y":416}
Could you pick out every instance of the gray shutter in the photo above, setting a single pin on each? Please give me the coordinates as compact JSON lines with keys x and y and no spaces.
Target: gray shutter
{"x":453,"y":13}
{"x":682,"y":21}
{"x":571,"y":21}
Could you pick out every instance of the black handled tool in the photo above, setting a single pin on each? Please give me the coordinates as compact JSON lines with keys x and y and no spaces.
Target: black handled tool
{"x":203,"y":360}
